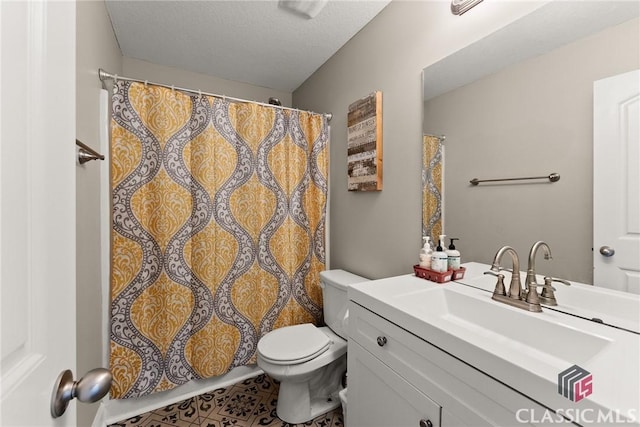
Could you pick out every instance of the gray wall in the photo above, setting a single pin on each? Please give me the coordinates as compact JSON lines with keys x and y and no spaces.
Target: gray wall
{"x":530,"y":119}
{"x":96,"y":48}
{"x":378,"y":234}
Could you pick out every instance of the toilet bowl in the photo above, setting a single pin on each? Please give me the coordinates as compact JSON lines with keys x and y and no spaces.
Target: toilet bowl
{"x":310,"y":361}
{"x":306,"y":385}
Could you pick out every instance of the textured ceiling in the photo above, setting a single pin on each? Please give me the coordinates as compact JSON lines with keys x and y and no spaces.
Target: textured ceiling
{"x":253,"y":42}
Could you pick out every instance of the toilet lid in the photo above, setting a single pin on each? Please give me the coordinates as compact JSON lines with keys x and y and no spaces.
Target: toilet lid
{"x":293,"y":344}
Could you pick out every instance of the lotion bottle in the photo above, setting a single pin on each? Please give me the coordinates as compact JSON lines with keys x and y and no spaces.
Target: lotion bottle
{"x":439,"y":260}
{"x":453,"y":255}
{"x":426,"y":253}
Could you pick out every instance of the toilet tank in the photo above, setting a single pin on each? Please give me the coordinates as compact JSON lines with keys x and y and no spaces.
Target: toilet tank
{"x":334,"y":285}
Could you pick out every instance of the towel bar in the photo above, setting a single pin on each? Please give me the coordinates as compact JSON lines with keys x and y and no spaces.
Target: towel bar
{"x":553,"y":177}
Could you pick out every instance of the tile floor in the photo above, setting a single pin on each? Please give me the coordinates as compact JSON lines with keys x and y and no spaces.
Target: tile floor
{"x":246,"y":404}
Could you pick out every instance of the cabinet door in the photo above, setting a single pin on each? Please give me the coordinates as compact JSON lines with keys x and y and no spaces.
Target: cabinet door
{"x":380,"y":397}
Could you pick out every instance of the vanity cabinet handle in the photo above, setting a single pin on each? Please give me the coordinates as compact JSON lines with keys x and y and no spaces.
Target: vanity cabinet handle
{"x":426,"y":423}
{"x":382,"y":341}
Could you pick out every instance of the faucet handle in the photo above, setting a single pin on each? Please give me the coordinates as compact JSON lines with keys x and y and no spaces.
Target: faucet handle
{"x":500,"y":289}
{"x":547,"y":284}
{"x":547,"y":296}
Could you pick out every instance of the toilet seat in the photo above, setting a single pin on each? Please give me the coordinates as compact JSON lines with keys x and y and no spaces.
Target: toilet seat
{"x":293,"y":344}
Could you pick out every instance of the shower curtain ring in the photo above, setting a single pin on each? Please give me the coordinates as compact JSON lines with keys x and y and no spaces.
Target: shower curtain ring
{"x":146,"y":82}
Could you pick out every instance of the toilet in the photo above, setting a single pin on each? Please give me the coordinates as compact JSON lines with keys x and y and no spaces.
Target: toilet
{"x":310,"y":361}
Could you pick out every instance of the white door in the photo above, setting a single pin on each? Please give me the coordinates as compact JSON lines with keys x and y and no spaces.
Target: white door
{"x":616,"y":182}
{"x":37,"y":201}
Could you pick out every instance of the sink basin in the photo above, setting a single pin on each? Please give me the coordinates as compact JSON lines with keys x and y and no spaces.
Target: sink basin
{"x":613,"y":308}
{"x":473,"y":316}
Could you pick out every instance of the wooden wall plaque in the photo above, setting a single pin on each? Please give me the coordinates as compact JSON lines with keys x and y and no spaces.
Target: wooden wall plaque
{"x":364,"y":144}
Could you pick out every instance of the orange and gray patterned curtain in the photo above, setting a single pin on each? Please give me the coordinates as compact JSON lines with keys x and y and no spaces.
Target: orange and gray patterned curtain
{"x":218,"y":232}
{"x":432,"y":180}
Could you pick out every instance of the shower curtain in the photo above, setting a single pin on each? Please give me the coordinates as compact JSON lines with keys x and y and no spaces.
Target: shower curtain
{"x":432,"y":180}
{"x":218,"y":232}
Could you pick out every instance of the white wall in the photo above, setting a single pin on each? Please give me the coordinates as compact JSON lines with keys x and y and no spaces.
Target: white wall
{"x":531,"y":119}
{"x":378,"y":234}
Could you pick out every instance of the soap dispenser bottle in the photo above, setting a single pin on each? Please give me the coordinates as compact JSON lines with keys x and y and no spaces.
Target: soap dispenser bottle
{"x":426,"y":253}
{"x":453,"y":255}
{"x":439,"y":260}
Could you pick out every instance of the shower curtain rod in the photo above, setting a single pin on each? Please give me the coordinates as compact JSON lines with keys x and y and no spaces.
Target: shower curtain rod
{"x":103,"y":75}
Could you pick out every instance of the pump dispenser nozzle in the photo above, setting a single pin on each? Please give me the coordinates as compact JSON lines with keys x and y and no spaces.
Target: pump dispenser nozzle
{"x":451,"y":245}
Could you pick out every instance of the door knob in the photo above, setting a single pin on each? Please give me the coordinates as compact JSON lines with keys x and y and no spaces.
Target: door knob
{"x":382,"y":341}
{"x":90,"y":388}
{"x":426,"y":423}
{"x":607,"y":251}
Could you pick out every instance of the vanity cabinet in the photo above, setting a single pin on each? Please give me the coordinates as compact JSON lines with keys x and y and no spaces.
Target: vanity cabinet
{"x":399,"y":379}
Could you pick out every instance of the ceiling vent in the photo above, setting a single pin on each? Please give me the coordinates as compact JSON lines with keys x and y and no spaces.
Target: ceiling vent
{"x":307,"y":8}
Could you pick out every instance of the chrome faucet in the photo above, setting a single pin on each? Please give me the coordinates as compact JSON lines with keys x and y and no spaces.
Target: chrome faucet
{"x":531,"y":267}
{"x":516,"y":296}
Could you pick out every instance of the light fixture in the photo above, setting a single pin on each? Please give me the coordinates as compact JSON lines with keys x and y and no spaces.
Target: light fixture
{"x":458,"y":7}
{"x":307,"y":8}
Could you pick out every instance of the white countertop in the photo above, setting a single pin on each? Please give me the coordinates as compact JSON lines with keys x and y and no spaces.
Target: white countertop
{"x":543,"y":344}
